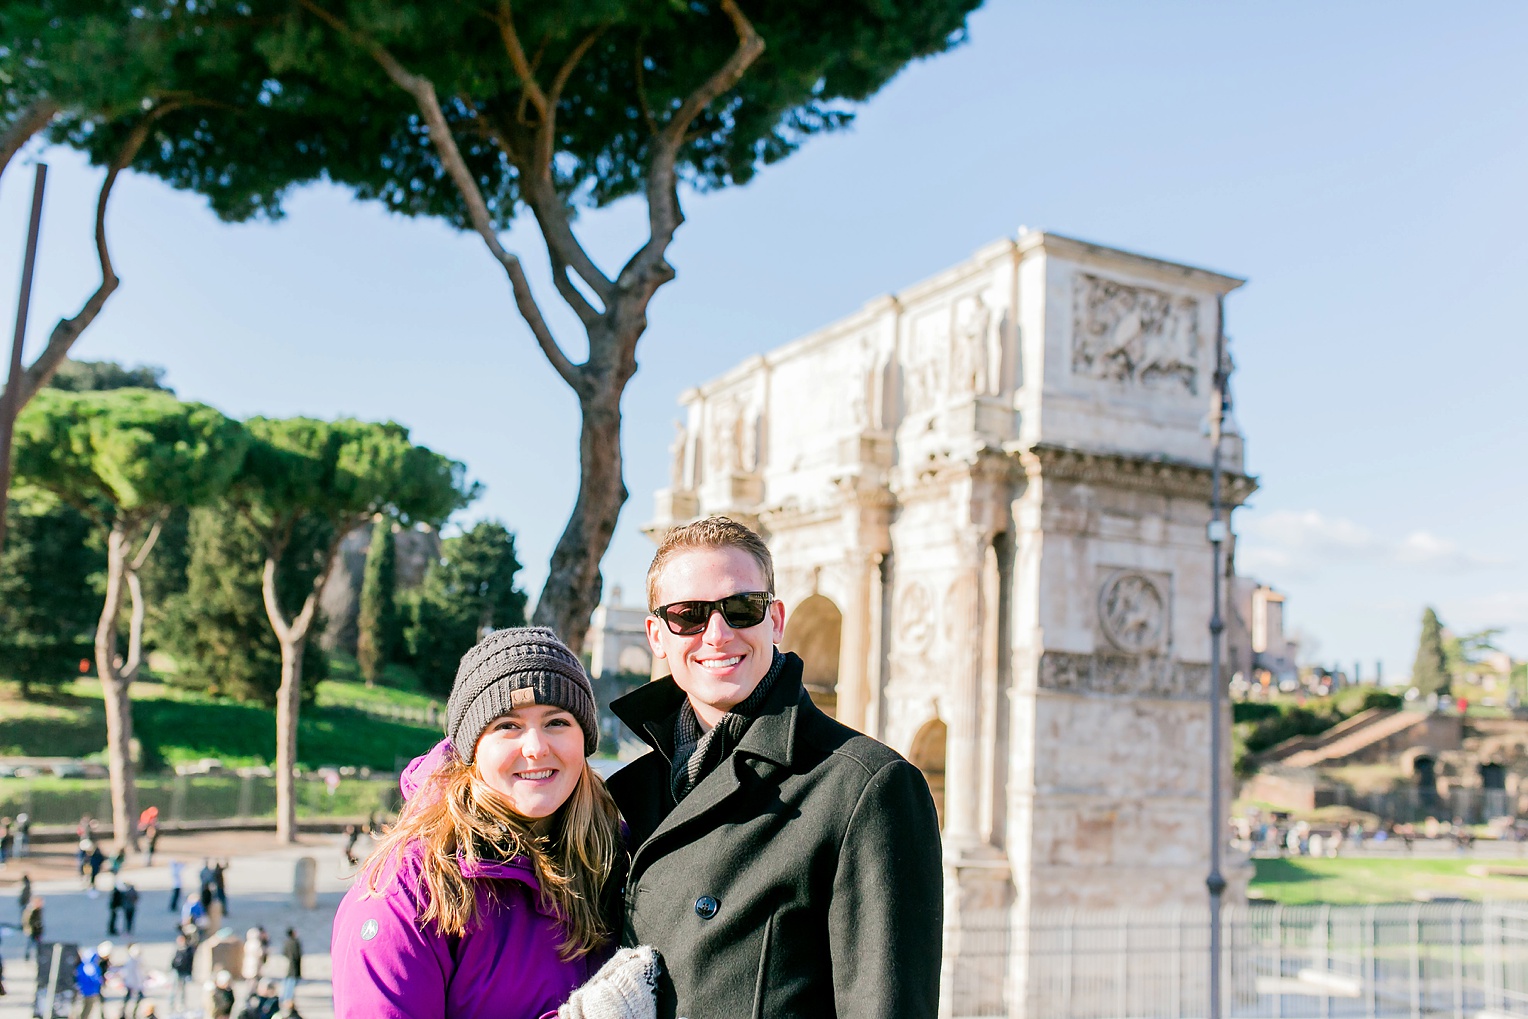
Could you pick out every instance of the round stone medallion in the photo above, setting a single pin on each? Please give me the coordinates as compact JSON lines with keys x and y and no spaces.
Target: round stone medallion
{"x":1133,"y":613}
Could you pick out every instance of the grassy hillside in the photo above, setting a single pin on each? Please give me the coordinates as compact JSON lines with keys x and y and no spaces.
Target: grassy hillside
{"x":176,"y":726}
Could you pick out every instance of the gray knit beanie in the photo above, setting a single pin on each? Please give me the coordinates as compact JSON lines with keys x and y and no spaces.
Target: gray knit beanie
{"x":513,"y":668}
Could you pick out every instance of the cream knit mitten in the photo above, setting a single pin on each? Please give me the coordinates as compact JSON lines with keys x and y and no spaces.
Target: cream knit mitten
{"x":624,"y":988}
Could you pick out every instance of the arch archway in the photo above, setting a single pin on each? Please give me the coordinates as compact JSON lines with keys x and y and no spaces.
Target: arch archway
{"x":814,"y":630}
{"x":927,"y":755}
{"x":636,"y":660}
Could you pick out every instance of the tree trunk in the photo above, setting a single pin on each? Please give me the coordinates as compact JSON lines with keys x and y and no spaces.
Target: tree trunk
{"x":573,"y":582}
{"x":293,"y":638}
{"x":114,"y":689}
{"x":288,"y":702}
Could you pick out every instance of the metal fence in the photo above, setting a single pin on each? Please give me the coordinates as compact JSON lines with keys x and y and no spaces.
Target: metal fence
{"x":196,"y":797}
{"x":1335,"y":962}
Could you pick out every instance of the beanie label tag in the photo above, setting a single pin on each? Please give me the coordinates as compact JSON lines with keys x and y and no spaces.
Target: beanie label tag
{"x":521,"y":697}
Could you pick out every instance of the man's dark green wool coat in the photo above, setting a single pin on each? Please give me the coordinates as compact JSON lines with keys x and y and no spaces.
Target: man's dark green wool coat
{"x":800,"y":878}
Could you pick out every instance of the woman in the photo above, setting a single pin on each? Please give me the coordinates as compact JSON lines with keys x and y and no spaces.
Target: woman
{"x":484,"y":901}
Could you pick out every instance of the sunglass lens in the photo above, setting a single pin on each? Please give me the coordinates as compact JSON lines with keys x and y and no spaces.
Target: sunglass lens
{"x":744,"y":610}
{"x":688,"y":618}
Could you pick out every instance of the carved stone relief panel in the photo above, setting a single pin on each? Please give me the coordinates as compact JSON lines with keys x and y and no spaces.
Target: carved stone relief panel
{"x":1135,"y":335}
{"x":925,"y":361}
{"x":1123,"y":675}
{"x":914,"y":616}
{"x":678,"y":474}
{"x":976,"y":357}
{"x":958,"y":615}
{"x":1132,"y":612}
{"x":733,"y":439}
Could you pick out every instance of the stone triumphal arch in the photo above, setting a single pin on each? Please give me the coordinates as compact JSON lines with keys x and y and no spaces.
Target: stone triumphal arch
{"x":987,"y":498}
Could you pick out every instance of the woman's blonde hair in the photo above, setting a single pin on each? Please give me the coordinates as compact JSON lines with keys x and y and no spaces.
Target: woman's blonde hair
{"x":454,"y":821}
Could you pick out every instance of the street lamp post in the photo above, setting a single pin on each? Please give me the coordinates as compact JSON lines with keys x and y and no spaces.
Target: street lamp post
{"x":1215,"y":882}
{"x":10,"y":401}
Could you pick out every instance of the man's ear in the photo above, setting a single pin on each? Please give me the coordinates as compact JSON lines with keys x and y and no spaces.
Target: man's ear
{"x":777,"y":620}
{"x":654,"y":641}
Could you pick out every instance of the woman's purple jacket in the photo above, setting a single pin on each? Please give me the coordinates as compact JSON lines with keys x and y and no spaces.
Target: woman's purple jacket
{"x":385,"y":966}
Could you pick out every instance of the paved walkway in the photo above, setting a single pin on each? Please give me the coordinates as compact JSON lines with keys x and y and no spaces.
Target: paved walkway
{"x":259,"y":882}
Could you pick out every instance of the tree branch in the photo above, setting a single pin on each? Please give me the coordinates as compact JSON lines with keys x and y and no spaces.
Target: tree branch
{"x":69,"y":329}
{"x":536,"y":184}
{"x":647,"y":109}
{"x":33,"y":117}
{"x":423,"y":92}
{"x":148,"y":543}
{"x":663,"y":212}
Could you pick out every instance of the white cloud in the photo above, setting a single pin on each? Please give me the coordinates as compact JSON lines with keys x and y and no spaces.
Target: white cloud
{"x":1297,"y":543}
{"x":1311,"y":531}
{"x":1420,"y":548}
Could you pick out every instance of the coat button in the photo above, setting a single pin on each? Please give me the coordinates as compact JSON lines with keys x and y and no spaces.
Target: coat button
{"x":706,"y":907}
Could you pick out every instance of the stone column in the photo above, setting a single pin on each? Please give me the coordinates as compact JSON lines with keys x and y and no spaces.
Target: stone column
{"x":962,"y":619}
{"x":978,"y":884}
{"x":854,"y":641}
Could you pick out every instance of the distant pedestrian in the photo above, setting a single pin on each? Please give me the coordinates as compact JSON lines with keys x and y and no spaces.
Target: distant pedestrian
{"x":253,"y":961}
{"x":90,"y":980}
{"x":31,"y":926}
{"x":181,"y":964}
{"x":177,"y":879}
{"x":133,"y":977}
{"x":82,"y":850}
{"x":23,"y":834}
{"x":118,"y":860}
{"x":260,"y":1003}
{"x":194,"y":915}
{"x":129,"y":906}
{"x":352,"y":835}
{"x":93,"y":864}
{"x":114,"y":909}
{"x":7,"y":840}
{"x":207,"y":880}
{"x":218,"y":887}
{"x":291,"y":951}
{"x":24,"y":893}
{"x":220,"y":995}
{"x":152,"y":843}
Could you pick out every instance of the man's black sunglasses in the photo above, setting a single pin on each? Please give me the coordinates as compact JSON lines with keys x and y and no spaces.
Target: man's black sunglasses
{"x":687,"y":618}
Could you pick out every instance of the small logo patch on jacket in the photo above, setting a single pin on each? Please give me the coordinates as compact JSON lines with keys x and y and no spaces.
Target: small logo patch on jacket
{"x":368,"y":930}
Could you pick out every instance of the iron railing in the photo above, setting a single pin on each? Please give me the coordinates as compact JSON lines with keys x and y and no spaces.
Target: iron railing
{"x":1454,"y":959}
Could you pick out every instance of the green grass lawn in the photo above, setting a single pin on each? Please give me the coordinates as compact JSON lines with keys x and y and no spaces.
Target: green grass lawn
{"x":177,"y":726}
{"x":1364,"y":880}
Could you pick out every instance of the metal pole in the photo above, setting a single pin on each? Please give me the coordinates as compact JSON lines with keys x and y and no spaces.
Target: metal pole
{"x":1215,"y":882}
{"x":10,"y":402}
{"x":55,"y":969}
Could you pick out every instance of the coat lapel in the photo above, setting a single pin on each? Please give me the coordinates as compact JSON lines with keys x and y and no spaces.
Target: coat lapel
{"x":771,"y":736}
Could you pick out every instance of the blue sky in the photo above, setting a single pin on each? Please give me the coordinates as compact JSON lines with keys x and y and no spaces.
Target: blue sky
{"x":1362,"y":164}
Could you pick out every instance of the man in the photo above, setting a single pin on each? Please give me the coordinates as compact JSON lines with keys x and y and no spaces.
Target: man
{"x":783,"y":864}
{"x":177,"y":879}
{"x":31,"y":926}
{"x":181,"y":965}
{"x":114,"y":908}
{"x":129,"y":906}
{"x":291,"y":951}
{"x":90,"y":980}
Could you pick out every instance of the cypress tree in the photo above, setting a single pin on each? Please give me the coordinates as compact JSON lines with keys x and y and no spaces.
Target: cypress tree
{"x":1430,"y":673}
{"x":378,"y":623}
{"x":49,"y":604}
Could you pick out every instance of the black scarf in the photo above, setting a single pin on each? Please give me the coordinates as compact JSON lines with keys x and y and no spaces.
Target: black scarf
{"x":697,"y":753}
